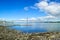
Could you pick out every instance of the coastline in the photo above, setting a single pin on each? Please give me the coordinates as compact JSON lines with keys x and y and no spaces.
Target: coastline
{"x":8,"y":34}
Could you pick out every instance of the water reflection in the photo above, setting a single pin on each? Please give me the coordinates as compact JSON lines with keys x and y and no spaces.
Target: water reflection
{"x":39,"y":27}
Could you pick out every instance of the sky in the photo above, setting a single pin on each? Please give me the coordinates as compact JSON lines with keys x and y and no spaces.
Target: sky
{"x":33,"y":9}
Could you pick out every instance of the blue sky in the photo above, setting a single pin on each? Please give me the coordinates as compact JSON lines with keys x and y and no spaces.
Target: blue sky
{"x":14,"y":9}
{"x":18,"y":9}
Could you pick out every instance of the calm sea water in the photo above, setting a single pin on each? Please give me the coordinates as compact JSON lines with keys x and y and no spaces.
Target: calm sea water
{"x":38,"y":27}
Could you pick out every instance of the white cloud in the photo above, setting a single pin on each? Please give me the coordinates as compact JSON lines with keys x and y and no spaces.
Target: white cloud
{"x":42,"y":4}
{"x":22,"y":19}
{"x":52,"y":8}
{"x":25,"y":19}
{"x":44,"y":18}
{"x":33,"y":7}
{"x":47,"y":18}
{"x":26,"y":8}
{"x":32,"y":19}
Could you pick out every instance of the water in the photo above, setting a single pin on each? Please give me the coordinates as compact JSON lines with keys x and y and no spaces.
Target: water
{"x":38,"y":27}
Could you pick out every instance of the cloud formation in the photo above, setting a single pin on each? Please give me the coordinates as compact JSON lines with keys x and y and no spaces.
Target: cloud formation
{"x":26,"y":8}
{"x":51,"y":8}
{"x":47,"y":18}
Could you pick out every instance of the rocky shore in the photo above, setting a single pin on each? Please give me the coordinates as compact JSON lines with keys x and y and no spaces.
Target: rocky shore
{"x":8,"y":34}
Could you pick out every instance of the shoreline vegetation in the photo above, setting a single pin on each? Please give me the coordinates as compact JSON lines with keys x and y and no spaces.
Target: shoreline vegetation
{"x":10,"y":34}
